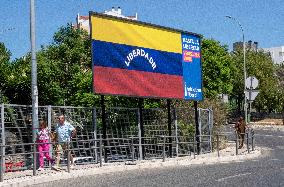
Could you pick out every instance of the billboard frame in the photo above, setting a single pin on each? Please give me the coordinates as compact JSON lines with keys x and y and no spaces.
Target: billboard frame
{"x":101,"y":15}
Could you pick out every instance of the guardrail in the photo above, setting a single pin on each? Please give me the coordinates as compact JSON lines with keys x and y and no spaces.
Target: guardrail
{"x":133,"y":149}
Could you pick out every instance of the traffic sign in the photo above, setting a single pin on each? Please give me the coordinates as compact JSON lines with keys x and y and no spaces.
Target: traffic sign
{"x":251,"y":82}
{"x":251,"y":94}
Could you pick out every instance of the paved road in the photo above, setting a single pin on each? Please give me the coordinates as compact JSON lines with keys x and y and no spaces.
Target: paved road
{"x":268,"y":170}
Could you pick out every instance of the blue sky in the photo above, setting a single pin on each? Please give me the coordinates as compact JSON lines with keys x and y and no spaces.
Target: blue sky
{"x":262,"y":20}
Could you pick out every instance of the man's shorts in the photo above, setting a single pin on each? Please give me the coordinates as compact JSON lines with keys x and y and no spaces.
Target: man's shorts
{"x":61,"y":148}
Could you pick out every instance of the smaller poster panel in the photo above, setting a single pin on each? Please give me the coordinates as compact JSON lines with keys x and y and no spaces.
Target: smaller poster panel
{"x":191,"y":63}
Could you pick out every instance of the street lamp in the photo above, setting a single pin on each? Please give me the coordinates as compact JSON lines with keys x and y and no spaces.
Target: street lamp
{"x":34,"y":89}
{"x":245,"y":73}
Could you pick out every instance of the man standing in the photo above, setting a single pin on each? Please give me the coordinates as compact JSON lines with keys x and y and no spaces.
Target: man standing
{"x":64,"y":132}
{"x":241,"y":129}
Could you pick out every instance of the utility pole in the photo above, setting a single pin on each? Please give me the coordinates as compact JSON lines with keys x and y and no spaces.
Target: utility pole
{"x":244,"y":58}
{"x":34,"y":89}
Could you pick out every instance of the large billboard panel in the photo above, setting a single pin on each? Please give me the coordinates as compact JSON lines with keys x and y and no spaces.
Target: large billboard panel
{"x":137,"y":59}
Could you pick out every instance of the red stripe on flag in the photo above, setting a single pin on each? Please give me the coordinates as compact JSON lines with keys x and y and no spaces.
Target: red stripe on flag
{"x":116,"y":81}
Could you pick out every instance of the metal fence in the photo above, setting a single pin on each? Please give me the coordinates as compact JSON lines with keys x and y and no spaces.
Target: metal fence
{"x":125,"y":139}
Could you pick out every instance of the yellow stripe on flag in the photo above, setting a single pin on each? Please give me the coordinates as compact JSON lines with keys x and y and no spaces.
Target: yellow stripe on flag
{"x":135,"y":34}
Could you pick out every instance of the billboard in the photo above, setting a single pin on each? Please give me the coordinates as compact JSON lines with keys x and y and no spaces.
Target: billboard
{"x":138,"y":59}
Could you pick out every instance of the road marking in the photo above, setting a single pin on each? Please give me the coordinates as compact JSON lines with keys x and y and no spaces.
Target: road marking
{"x":274,"y":159}
{"x":233,"y":176}
{"x":269,"y":135}
{"x":239,"y":161}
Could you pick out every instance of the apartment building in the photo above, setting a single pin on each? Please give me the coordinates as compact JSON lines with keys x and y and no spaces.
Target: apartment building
{"x":83,"y":21}
{"x":276,"y":53}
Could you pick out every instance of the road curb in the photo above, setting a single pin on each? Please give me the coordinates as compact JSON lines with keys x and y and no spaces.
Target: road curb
{"x":205,"y":159}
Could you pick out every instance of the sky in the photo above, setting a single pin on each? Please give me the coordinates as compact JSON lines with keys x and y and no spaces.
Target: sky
{"x":262,"y":20}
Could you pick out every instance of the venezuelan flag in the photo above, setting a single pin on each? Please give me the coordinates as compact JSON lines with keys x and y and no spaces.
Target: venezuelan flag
{"x":135,"y":59}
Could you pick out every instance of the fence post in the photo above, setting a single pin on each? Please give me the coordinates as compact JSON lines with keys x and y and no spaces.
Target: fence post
{"x":237,"y":143}
{"x":210,"y":113}
{"x":95,"y":133}
{"x":247,"y":136}
{"x":34,"y":158}
{"x":49,"y":112}
{"x":176,"y":131}
{"x":164,"y":148}
{"x":68,"y":156}
{"x":218,"y":153}
{"x":140,"y":135}
{"x":170,"y":140}
{"x":252,"y":140}
{"x":2,"y":170}
{"x":132,"y":149}
{"x":101,"y":151}
{"x":177,"y":144}
{"x":194,"y":142}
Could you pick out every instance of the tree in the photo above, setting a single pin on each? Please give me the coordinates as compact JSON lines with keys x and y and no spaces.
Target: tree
{"x":260,"y":65}
{"x":19,"y":81}
{"x":65,"y":72}
{"x":5,"y":55}
{"x":280,"y":77}
{"x":218,"y":69}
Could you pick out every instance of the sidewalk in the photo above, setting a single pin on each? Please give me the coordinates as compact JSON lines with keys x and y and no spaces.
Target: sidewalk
{"x":25,"y":178}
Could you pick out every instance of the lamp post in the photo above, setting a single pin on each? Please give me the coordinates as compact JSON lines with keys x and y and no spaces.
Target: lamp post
{"x":34,"y":89}
{"x":245,"y":73}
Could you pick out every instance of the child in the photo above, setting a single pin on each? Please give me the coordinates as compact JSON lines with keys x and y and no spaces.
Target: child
{"x":43,"y":136}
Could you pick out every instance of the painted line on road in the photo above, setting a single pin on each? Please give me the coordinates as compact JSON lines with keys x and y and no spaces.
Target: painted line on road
{"x":233,"y":176}
{"x":239,"y":161}
{"x":269,"y":135}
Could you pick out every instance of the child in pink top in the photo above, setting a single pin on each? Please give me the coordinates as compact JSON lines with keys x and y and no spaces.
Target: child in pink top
{"x":43,"y":136}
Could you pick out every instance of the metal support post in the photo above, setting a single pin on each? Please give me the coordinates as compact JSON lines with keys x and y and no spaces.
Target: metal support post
{"x":194,"y":143}
{"x":2,"y":169}
{"x":68,"y":157}
{"x":132,"y":149}
{"x":237,"y":144}
{"x":247,"y":138}
{"x":164,"y":148}
{"x":101,"y":151}
{"x":34,"y":158}
{"x":197,"y":132}
{"x":104,"y":126}
{"x":218,"y":149}
{"x":252,"y":140}
{"x":244,"y":59}
{"x":176,"y":132}
{"x":140,"y":157}
{"x":169,"y":127}
{"x":95,"y":133}
{"x":34,"y":88}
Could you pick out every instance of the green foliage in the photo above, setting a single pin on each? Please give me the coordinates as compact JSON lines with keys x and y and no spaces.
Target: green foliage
{"x":260,"y":65}
{"x":186,"y":129}
{"x":64,"y":69}
{"x":219,"y":108}
{"x":280,"y":90}
{"x":5,"y":55}
{"x":218,"y":69}
{"x":18,"y":87}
